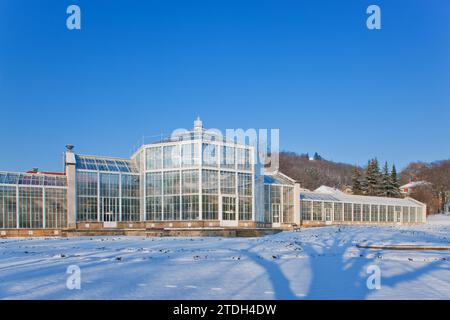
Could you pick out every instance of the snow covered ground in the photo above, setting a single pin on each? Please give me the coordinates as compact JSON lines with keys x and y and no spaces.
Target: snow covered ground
{"x":315,"y":263}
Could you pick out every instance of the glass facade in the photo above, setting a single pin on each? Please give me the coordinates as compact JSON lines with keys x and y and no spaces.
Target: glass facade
{"x":198,"y":179}
{"x":8,"y":207}
{"x":191,"y":177}
{"x":32,"y":201}
{"x":55,"y":208}
{"x":278,"y":198}
{"x":108,"y":195}
{"x":317,"y":210}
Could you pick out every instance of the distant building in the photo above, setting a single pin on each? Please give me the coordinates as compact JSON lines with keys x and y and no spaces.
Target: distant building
{"x":447,"y":208}
{"x":409,"y":187}
{"x":347,"y":190}
{"x":447,"y":204}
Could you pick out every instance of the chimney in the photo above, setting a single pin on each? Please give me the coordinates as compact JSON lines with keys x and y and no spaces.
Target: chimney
{"x":69,"y":147}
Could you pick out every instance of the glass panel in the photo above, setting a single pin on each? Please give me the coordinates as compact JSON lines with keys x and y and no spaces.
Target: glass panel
{"x":210,"y":154}
{"x":190,"y":207}
{"x":383,"y":213}
{"x":130,"y":209}
{"x":130,"y":198}
{"x":153,"y":184}
{"x":245,"y":184}
{"x":374,"y":213}
{"x":243,"y":159}
{"x":153,"y":158}
{"x":210,"y":207}
{"x":190,"y":181}
{"x":390,"y":213}
{"x":288,"y":205}
{"x":328,"y":210}
{"x":111,"y":165}
{"x":317,"y":211}
{"x":245,"y":208}
{"x":412,"y":215}
{"x":405,"y":214}
{"x":8,"y":207}
{"x":30,"y":207}
{"x":210,"y":181}
{"x":419,"y":214}
{"x":101,"y":164}
{"x":338,"y":211}
{"x":228,"y":158}
{"x":109,"y":185}
{"x":366,"y":212}
{"x":348,"y":212}
{"x":87,"y":209}
{"x":227,"y":182}
{"x":130,"y":186}
{"x":55,"y":208}
{"x":171,"y":157}
{"x":87,"y":183}
{"x":356,"y":212}
{"x":171,"y":208}
{"x":190,"y":155}
{"x":267,"y":205}
{"x":154,"y":208}
{"x":306,"y":208}
{"x":171,"y":182}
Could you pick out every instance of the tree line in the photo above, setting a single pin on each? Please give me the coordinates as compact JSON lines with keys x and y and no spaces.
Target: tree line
{"x":313,"y":174}
{"x":437,"y":173}
{"x":373,"y":182}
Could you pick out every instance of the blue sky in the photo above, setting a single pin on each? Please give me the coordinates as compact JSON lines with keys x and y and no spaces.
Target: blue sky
{"x":310,"y":68}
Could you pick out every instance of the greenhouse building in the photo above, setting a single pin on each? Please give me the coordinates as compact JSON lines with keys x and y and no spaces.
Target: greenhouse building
{"x":194,"y":180}
{"x":331,"y":206}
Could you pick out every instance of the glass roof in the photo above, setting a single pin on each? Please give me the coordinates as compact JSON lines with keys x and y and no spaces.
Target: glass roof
{"x":317,"y":196}
{"x":342,"y":197}
{"x":105,"y":164}
{"x":276,"y":179}
{"x":32,"y":179}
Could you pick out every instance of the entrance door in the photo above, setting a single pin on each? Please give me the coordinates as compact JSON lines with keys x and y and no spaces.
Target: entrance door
{"x":110,"y":209}
{"x":328,"y":215}
{"x":229,"y":212}
{"x":276,"y":214}
{"x":398,"y":215}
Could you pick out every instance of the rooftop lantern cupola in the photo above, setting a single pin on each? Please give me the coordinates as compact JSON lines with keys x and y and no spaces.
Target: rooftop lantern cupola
{"x":198,"y":125}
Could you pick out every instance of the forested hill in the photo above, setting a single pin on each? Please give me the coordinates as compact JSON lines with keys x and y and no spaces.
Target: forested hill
{"x":312,"y":173}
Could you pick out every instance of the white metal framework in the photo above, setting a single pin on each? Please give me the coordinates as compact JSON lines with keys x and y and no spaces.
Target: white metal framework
{"x":198,"y":176}
{"x":337,"y":207}
{"x":32,"y":201}
{"x":278,"y":199}
{"x":192,"y":176}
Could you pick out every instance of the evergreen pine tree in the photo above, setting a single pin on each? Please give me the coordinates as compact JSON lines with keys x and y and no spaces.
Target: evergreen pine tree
{"x":317,"y":156}
{"x":394,"y":183}
{"x":364,"y":182}
{"x":356,"y":181}
{"x":379,"y":178}
{"x":373,"y":178}
{"x":386,"y":184}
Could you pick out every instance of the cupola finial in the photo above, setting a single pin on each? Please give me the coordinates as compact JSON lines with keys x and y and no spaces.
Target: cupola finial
{"x":198,"y":125}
